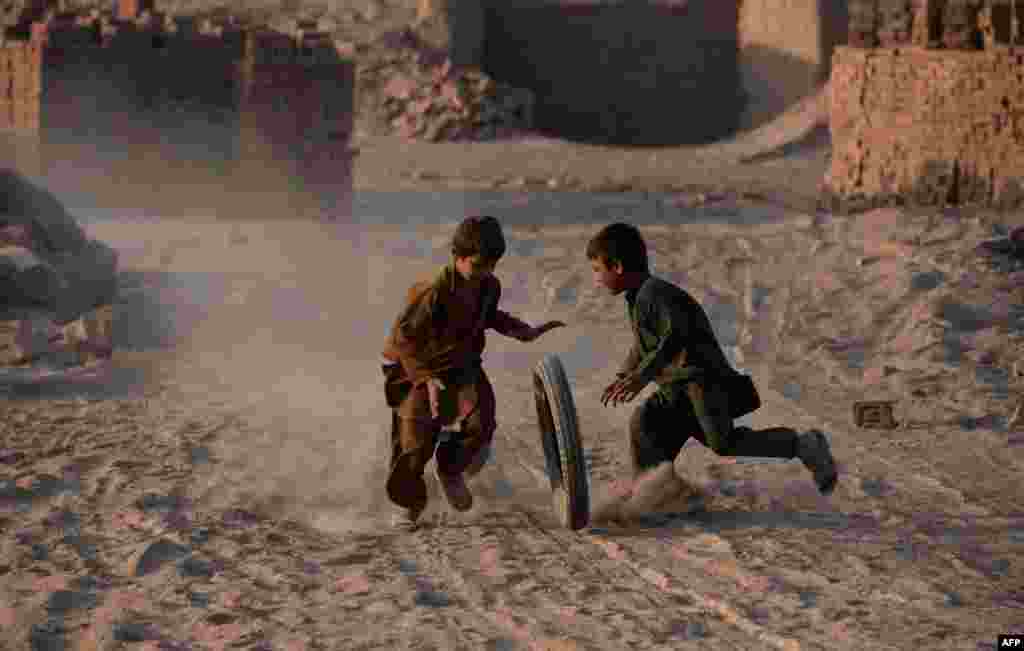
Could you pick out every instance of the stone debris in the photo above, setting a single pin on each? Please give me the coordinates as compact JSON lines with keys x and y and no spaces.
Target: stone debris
{"x":1005,"y":255}
{"x":425,"y":97}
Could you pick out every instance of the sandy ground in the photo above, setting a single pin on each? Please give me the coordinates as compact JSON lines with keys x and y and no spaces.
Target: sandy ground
{"x":223,"y":488}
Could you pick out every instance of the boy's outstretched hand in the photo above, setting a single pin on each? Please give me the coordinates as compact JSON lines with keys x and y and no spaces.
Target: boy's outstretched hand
{"x":621,"y":390}
{"x":533,"y":333}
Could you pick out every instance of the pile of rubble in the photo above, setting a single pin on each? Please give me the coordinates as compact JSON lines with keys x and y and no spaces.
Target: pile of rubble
{"x":422,"y":96}
{"x":57,"y":285}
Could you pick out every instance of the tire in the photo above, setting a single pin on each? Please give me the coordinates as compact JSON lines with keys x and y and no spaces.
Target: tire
{"x":563,"y":448}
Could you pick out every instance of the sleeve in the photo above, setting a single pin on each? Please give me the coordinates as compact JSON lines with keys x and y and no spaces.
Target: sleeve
{"x":502,"y":322}
{"x":413,"y":331}
{"x":670,"y":324}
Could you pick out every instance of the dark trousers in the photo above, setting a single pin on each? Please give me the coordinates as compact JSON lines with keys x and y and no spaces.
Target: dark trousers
{"x":666,"y":420}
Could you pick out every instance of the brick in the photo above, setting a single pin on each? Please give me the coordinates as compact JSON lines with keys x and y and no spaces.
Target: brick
{"x":131,"y":9}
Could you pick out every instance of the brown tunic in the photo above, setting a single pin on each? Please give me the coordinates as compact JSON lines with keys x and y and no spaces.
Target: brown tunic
{"x":440,"y":333}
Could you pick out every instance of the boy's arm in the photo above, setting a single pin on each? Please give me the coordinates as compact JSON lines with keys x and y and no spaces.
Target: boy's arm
{"x":504,"y":323}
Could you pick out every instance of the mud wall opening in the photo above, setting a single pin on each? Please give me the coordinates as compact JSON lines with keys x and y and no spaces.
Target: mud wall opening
{"x":660,"y":73}
{"x":241,"y":122}
{"x":631,"y":73}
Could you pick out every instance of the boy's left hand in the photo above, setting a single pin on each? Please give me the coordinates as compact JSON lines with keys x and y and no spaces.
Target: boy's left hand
{"x":533,"y":333}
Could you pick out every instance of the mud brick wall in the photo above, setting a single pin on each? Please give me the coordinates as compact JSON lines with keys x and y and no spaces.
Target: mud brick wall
{"x":185,"y":121}
{"x":20,"y":88}
{"x":932,"y":125}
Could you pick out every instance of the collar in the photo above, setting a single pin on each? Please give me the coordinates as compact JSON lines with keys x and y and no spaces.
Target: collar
{"x":631,"y":294}
{"x":449,"y":280}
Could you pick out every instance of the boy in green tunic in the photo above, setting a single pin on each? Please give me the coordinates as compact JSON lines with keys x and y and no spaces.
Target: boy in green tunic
{"x":676,"y":348}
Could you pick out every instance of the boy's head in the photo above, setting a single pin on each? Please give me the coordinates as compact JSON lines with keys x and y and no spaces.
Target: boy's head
{"x":477,"y":246}
{"x":615,"y":253}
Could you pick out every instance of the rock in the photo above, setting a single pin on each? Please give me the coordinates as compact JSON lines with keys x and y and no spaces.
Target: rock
{"x":133,"y":632}
{"x":195,"y":567}
{"x":156,"y":555}
{"x":199,"y":536}
{"x":48,"y":636}
{"x":401,"y":88}
{"x":1016,"y":422}
{"x":431,"y":598}
{"x":62,"y":601}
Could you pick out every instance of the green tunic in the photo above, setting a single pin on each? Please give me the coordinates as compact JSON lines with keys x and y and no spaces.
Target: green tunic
{"x":676,"y":347}
{"x":674,"y":341}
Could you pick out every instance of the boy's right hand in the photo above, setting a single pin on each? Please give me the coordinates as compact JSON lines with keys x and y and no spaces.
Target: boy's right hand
{"x":434,"y":389}
{"x":623,"y":389}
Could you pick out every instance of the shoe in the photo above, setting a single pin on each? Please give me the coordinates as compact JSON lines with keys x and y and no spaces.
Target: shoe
{"x":407,"y":519}
{"x":455,"y":491}
{"x":813,"y":449}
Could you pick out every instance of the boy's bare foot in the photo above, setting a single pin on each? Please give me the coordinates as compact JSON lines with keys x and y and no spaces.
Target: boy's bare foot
{"x":455,"y":491}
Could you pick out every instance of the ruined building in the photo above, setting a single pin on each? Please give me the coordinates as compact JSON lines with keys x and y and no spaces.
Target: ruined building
{"x":928,"y":102}
{"x":181,"y":116}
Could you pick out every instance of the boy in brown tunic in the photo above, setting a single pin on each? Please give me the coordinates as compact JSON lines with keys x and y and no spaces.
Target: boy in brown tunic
{"x":433,"y":372}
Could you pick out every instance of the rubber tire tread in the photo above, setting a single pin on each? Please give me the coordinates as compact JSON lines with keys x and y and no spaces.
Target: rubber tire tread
{"x":562,"y":443}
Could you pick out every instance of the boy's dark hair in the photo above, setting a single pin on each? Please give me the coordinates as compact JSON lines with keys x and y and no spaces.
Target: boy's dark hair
{"x":621,"y":243}
{"x":479,"y":235}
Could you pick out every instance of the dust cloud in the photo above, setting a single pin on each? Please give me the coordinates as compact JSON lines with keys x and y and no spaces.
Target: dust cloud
{"x":279,"y":324}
